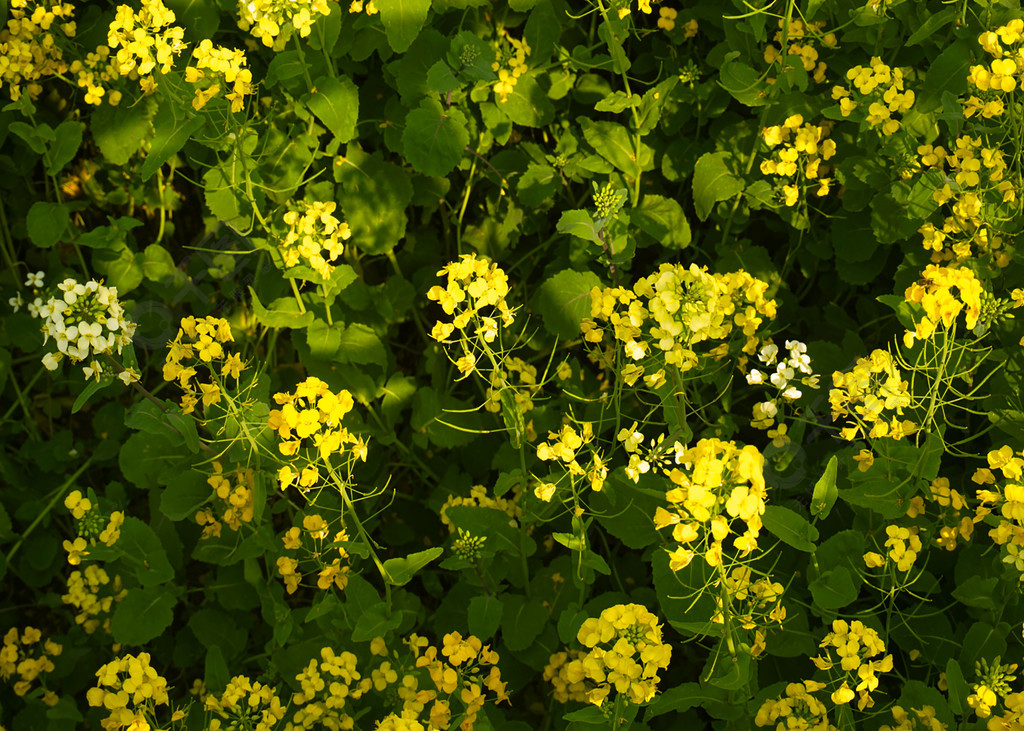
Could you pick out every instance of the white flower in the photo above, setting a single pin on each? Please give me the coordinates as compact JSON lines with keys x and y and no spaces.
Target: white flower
{"x":755,"y":376}
{"x":768,"y":354}
{"x":768,"y":408}
{"x":51,"y":361}
{"x":782,"y":376}
{"x":16,"y":302}
{"x":35,"y":307}
{"x":792,"y":393}
{"x":129,"y":376}
{"x":35,"y":280}
{"x":93,"y":369}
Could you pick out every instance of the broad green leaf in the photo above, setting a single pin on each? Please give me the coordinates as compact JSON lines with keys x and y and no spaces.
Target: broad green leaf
{"x":984,"y":640}
{"x":402,"y":20}
{"x":725,"y":672}
{"x":88,"y":392}
{"x":435,"y":138}
{"x":184,"y":495}
{"x":142,"y":615}
{"x":361,"y":345}
{"x":147,"y":459}
{"x":47,"y":222}
{"x":324,"y":606}
{"x":527,"y":104}
{"x":624,"y":508}
{"x":441,"y":79}
{"x":742,"y":82}
{"x":399,"y":571}
{"x":157,"y":263}
{"x":375,"y":622}
{"x":485,"y":614}
{"x":683,"y":698}
{"x":564,"y":300}
{"x":538,"y":184}
{"x":825,"y":490}
{"x":215,"y":668}
{"x":614,"y":143}
{"x":119,"y":131}
{"x":495,"y":525}
{"x":663,"y":219}
{"x":978,"y":592}
{"x":170,"y":133}
{"x":522,"y":620}
{"x":713,"y":182}
{"x":617,"y":102}
{"x":121,"y":267}
{"x":834,"y":589}
{"x":284,"y":66}
{"x":790,"y":527}
{"x":958,"y":689}
{"x":580,"y":224}
{"x":335,"y":102}
{"x":374,"y":196}
{"x":284,"y":313}
{"x":146,"y":552}
{"x":64,"y":148}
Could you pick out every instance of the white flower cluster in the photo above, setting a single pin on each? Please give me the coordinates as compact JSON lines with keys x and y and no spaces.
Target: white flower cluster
{"x":784,"y":379}
{"x":35,"y":282}
{"x":87,"y":320}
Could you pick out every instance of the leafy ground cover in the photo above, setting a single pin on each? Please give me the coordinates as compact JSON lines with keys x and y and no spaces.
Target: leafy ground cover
{"x":414,"y":365}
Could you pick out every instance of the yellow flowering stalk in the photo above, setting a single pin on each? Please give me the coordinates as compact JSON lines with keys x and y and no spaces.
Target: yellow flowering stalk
{"x":27,"y":658}
{"x":200,"y":344}
{"x":233,"y":494}
{"x":567,"y":684}
{"x":563,"y":448}
{"x":798,"y":151}
{"x":275,"y":21}
{"x":881,"y":88}
{"x":145,"y":41}
{"x":92,"y":525}
{"x":993,"y":687}
{"x":97,"y":74}
{"x":318,"y":533}
{"x":873,"y":395}
{"x":922,"y":718}
{"x":625,"y":652}
{"x":510,"y":64}
{"x":798,"y":708}
{"x":245,"y":704}
{"x":801,"y":37}
{"x":92,"y":593}
{"x":854,"y":644}
{"x":996,"y":80}
{"x":314,"y":237}
{"x":215,"y":65}
{"x":934,"y":292}
{"x":31,"y":49}
{"x":130,"y":689}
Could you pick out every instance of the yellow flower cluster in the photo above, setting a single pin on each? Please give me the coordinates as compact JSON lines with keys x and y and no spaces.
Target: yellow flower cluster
{"x":95,"y":74}
{"x":92,"y":593}
{"x":474,"y":292}
{"x":934,"y":292}
{"x":326,"y":686}
{"x":720,"y":487}
{"x":800,"y":36}
{"x":92,"y":524}
{"x":478,"y":498}
{"x":797,"y":709}
{"x":359,"y":6}
{"x":236,"y":497}
{"x":625,"y":654}
{"x":523,"y":389}
{"x":904,"y":545}
{"x":677,"y":308}
{"x":331,"y":572}
{"x":798,"y":150}
{"x":29,"y":48}
{"x":874,"y":395}
{"x":563,"y":448}
{"x":1009,"y":499}
{"x":201,"y":339}
{"x":314,"y":235}
{"x":1001,"y":75}
{"x":510,"y":65}
{"x":881,"y":88}
{"x":992,"y":687}
{"x":854,"y":644}
{"x":460,"y":675}
{"x":312,"y":412}
{"x":954,"y":525}
{"x":26,"y":656}
{"x":923,"y":718}
{"x":146,"y":41}
{"x":274,"y":21}
{"x":752,"y":603}
{"x":245,"y":704}
{"x":130,"y":689}
{"x":221,"y":65}
{"x":566,"y":688}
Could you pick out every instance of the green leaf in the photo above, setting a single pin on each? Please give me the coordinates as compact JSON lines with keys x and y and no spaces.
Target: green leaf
{"x":713,"y":182}
{"x":522,"y":620}
{"x":527,"y":104}
{"x":485,"y":614}
{"x":834,"y":589}
{"x":617,"y":102}
{"x":119,"y":131}
{"x":88,"y":392}
{"x":663,"y":219}
{"x":742,"y":82}
{"x":64,"y":148}
{"x":184,"y":495}
{"x":613,"y":142}
{"x":563,"y":300}
{"x":825,"y":490}
{"x":434,"y":138}
{"x":402,"y":20}
{"x":157,"y":263}
{"x":441,"y":79}
{"x":142,"y":615}
{"x":624,"y":508}
{"x":958,"y":689}
{"x":121,"y":265}
{"x":146,"y":552}
{"x":375,"y":622}
{"x":538,"y":184}
{"x":978,"y":592}
{"x":47,"y":222}
{"x":335,"y":102}
{"x":683,"y":698}
{"x":361,"y":345}
{"x":399,"y":571}
{"x":374,"y":196}
{"x":215,"y":668}
{"x":790,"y":527}
{"x":579,"y":223}
{"x":170,"y":133}
{"x":984,"y":640}
{"x":287,"y":316}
